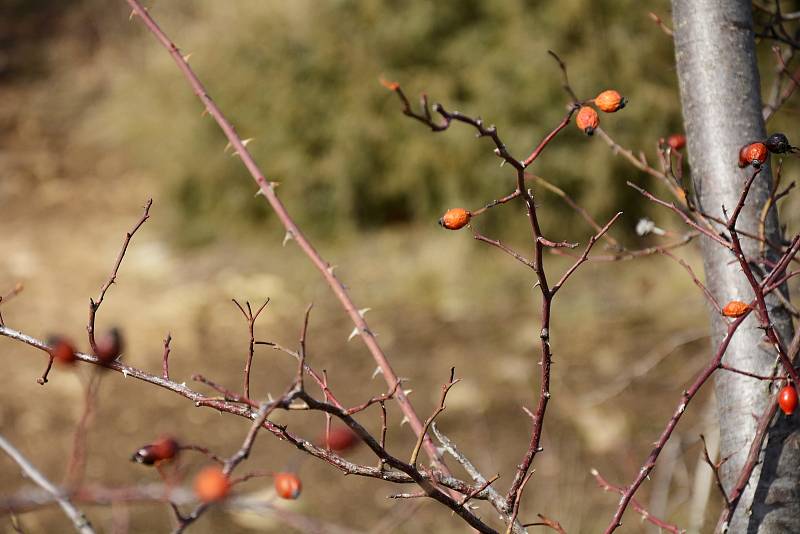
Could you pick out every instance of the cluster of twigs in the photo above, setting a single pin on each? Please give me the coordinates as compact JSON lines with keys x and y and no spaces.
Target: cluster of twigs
{"x":435,"y":481}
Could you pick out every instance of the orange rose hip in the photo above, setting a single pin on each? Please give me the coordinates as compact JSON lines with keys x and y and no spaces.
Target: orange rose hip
{"x":587,"y":120}
{"x":455,"y":218}
{"x":735,"y":308}
{"x":609,"y":101}
{"x":211,"y":484}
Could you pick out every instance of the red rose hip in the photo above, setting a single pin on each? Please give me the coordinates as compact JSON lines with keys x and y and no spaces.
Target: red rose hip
{"x":754,"y":154}
{"x":787,"y":399}
{"x":287,"y":485}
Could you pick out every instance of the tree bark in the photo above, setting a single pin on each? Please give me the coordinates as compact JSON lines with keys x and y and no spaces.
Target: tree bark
{"x":722,"y":110}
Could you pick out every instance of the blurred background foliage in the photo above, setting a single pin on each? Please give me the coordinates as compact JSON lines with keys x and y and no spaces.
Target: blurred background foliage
{"x":301,"y":78}
{"x":94,"y":118}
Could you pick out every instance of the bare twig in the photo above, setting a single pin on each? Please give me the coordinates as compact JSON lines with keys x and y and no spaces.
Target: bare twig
{"x":165,"y":357}
{"x":664,"y":28}
{"x":77,"y":517}
{"x":94,"y":305}
{"x":607,"y":486}
{"x":251,"y":319}
{"x":715,"y":468}
{"x":439,"y":409}
{"x":547,"y":522}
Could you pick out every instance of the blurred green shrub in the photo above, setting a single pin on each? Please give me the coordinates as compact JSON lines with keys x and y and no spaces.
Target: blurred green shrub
{"x":301,"y":78}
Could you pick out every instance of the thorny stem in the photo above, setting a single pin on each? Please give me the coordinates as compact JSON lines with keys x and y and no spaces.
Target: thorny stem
{"x":537,"y":264}
{"x":755,"y":447}
{"x":401,"y":472}
{"x":661,"y":524}
{"x":735,"y":246}
{"x":267,"y":189}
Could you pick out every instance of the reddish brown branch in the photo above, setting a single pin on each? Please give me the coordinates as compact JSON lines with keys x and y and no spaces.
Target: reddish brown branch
{"x":267,"y":189}
{"x":94,"y":305}
{"x":547,"y":522}
{"x":755,"y":448}
{"x":439,"y":409}
{"x":511,"y":252}
{"x":607,"y":486}
{"x":715,"y":466}
{"x":709,"y":297}
{"x":251,"y":319}
{"x":585,"y":255}
{"x":708,"y":233}
{"x":16,"y":290}
{"x":165,"y":357}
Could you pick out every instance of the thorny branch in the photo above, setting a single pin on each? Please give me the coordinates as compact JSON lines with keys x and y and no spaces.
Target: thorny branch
{"x":267,"y":189}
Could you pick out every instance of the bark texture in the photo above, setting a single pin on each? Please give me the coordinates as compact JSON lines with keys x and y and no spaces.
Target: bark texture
{"x":722,"y":110}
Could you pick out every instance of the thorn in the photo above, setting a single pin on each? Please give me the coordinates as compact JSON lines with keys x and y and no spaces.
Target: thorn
{"x":269,"y":397}
{"x":228,"y":146}
{"x":204,"y":113}
{"x":331,"y":268}
{"x":363,"y":311}
{"x":133,"y":14}
{"x":259,"y":192}
{"x":404,"y":421}
{"x":246,"y":142}
{"x":287,"y":237}
{"x":125,"y":373}
{"x":376,"y":372}
{"x":187,"y":56}
{"x":353,"y":334}
{"x":407,"y":392}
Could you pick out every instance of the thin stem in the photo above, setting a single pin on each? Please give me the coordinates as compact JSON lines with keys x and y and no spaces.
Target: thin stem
{"x":77,"y":517}
{"x":94,"y":305}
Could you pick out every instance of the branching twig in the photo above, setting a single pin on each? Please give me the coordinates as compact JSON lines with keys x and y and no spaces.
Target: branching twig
{"x":94,"y":305}
{"x":607,"y":486}
{"x":439,"y":409}
{"x":267,"y":189}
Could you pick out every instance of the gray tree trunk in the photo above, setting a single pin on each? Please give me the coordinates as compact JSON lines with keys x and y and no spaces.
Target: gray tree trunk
{"x":722,"y":110}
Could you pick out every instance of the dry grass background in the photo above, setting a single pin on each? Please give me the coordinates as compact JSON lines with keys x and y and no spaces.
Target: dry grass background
{"x":69,"y":191}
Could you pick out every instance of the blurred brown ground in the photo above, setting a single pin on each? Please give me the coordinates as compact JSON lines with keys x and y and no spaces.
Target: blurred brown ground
{"x":438,"y":299}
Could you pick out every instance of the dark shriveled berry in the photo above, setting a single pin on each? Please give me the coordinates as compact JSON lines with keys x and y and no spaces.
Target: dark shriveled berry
{"x":778,"y":144}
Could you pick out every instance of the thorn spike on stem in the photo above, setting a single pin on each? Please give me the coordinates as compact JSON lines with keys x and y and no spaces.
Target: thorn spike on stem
{"x":353,"y":334}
